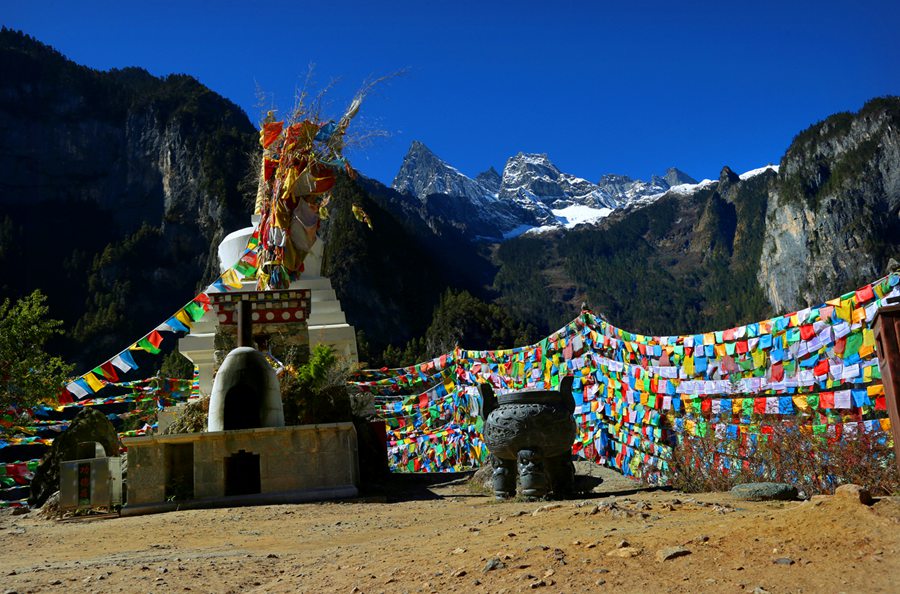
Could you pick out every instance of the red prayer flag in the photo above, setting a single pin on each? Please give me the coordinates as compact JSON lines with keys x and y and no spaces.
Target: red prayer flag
{"x":270,"y":133}
{"x":807,"y":331}
{"x":269,"y":167}
{"x":864,"y":294}
{"x":826,"y":400}
{"x":821,"y":368}
{"x":155,"y":338}
{"x":839,"y":345}
{"x":65,"y":397}
{"x":759,"y":405}
{"x":109,"y":372}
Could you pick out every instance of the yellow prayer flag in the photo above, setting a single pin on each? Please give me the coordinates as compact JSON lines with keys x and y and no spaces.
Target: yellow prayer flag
{"x":92,"y":381}
{"x":231,"y":279}
{"x":876,"y":390}
{"x":183,"y":317}
{"x":859,"y":314}
{"x":759,"y":358}
{"x":868,"y":337}
{"x":801,"y":403}
{"x":842,"y":308}
{"x":689,"y":426}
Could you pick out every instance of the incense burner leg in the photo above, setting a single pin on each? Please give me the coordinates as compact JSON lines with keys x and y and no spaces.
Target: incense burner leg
{"x":561,"y":472}
{"x":531,"y":473}
{"x":504,"y":478}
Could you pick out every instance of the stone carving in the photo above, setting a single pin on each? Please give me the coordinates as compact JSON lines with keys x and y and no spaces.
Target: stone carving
{"x":530,"y":431}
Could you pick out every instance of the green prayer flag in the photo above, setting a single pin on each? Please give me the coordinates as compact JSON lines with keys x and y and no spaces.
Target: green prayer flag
{"x":194,"y":310}
{"x":145,"y":344}
{"x":746,"y":407}
{"x":244,"y":269}
{"x":854,"y":341}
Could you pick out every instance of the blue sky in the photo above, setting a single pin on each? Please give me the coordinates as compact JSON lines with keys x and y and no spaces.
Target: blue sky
{"x":624,"y":87}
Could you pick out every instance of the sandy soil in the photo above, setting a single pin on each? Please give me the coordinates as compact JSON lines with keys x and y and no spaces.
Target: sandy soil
{"x":443,"y":538}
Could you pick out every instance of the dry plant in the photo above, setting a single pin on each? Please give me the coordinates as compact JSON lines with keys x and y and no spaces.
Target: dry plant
{"x":788,"y":452}
{"x":192,"y":417}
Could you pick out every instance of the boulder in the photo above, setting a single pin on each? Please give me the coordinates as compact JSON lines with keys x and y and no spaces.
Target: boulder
{"x":89,"y":425}
{"x":671,"y":553}
{"x":764,"y":492}
{"x":854,"y":493}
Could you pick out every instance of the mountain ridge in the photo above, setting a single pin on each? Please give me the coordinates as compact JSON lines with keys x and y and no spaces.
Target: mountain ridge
{"x":530,"y":194}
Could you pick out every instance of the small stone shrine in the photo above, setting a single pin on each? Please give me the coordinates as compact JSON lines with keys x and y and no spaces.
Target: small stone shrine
{"x":247,"y":455}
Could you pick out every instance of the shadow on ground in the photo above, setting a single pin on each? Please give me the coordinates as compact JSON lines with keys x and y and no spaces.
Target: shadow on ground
{"x":592,"y":481}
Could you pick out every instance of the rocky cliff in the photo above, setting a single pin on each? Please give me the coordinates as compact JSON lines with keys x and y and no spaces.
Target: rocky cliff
{"x":833,"y":217}
{"x":115,"y":187}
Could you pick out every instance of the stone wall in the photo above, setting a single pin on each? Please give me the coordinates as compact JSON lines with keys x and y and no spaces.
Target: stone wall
{"x":291,"y":460}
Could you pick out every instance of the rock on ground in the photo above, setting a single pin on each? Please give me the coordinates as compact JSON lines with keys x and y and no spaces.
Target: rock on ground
{"x":764,"y":492}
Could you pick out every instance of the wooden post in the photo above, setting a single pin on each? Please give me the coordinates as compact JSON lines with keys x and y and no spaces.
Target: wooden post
{"x":244,"y":323}
{"x":887,"y":346}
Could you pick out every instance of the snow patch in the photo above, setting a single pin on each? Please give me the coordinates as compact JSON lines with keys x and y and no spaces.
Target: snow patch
{"x":755,"y":172}
{"x":578,"y":214}
{"x":685,"y":189}
{"x":521,"y":229}
{"x":542,"y":229}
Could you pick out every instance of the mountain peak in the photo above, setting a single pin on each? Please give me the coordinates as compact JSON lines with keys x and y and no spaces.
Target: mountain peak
{"x":417,"y":146}
{"x":490,"y":179}
{"x":728,"y":176}
{"x":676,"y":177}
{"x":423,"y":174}
{"x":418,"y":171}
{"x":526,"y":159}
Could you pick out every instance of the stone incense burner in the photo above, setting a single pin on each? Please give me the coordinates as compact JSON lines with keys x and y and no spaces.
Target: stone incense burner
{"x":534,"y":430}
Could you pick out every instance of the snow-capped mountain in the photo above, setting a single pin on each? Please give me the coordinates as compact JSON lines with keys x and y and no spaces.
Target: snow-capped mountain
{"x":629,"y":190}
{"x":423,"y":173}
{"x":533,"y":178}
{"x":448,"y":196}
{"x":531,"y":193}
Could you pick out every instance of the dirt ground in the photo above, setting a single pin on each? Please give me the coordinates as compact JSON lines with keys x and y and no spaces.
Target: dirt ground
{"x":429,"y":537}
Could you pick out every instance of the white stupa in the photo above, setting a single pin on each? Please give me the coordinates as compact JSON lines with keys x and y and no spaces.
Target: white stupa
{"x":327,"y":322}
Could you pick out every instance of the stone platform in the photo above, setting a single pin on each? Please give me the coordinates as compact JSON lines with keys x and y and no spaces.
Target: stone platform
{"x":240,"y":467}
